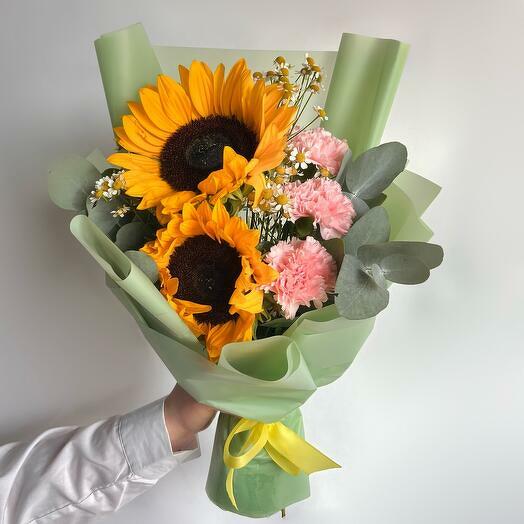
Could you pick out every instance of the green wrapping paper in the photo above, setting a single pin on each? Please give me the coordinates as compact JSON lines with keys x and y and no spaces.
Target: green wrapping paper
{"x":265,"y":380}
{"x":261,"y":487}
{"x":365,"y":80}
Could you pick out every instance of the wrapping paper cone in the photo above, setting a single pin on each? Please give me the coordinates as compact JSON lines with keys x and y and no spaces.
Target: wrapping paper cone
{"x":261,"y":487}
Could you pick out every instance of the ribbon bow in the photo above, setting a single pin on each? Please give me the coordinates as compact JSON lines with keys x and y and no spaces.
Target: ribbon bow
{"x":289,"y":451}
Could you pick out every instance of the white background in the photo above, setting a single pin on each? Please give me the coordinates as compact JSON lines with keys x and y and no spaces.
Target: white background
{"x":428,"y":422}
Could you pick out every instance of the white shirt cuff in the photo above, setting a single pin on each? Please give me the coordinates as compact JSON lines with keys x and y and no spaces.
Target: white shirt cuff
{"x":146,"y":444}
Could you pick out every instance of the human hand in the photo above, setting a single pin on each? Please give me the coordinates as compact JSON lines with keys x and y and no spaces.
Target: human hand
{"x":185,"y":417}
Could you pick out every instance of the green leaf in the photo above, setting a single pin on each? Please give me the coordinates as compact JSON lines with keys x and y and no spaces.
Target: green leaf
{"x":278,"y":322}
{"x":377,"y":201}
{"x":358,"y":295}
{"x":145,"y":263}
{"x":375,"y":169}
{"x":404,"y":269}
{"x":304,"y":226}
{"x":373,"y":227}
{"x":97,"y":158}
{"x":132,"y":236}
{"x":335,"y":247}
{"x":70,"y":181}
{"x":360,"y":207}
{"x":100,"y":214}
{"x":430,"y":254}
{"x":378,"y":275}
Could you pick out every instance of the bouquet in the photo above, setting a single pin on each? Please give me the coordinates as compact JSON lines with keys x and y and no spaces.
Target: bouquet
{"x":252,"y":231}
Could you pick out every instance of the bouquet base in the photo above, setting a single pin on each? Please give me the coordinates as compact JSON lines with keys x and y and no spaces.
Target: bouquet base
{"x":261,"y":487}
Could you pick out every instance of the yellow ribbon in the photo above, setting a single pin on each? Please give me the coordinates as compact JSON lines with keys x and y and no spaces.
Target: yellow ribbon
{"x":289,"y":451}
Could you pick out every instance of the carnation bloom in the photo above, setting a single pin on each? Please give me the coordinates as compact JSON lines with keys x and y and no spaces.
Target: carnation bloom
{"x":322,"y":200}
{"x":307,"y":273}
{"x":325,"y":149}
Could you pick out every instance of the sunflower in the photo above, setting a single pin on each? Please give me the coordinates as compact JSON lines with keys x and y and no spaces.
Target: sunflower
{"x":207,"y":135}
{"x":211,"y":273}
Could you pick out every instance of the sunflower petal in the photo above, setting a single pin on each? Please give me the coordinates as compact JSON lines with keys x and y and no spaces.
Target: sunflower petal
{"x":231,"y":91}
{"x":140,"y":136}
{"x":146,"y":122}
{"x":175,"y":101}
{"x":133,"y":161}
{"x":218,"y":85}
{"x":201,"y":88}
{"x":153,"y":107}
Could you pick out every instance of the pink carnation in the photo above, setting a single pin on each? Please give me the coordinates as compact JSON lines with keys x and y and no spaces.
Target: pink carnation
{"x":307,"y":273}
{"x":325,"y":149}
{"x":322,"y":200}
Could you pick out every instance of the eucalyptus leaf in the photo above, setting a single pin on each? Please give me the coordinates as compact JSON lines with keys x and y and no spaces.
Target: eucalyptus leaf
{"x":378,"y":275}
{"x":145,"y":263}
{"x":375,"y":169}
{"x":97,"y":158}
{"x":358,"y":295}
{"x":377,"y":201}
{"x":335,"y":247}
{"x":100,"y":214}
{"x":373,"y":227}
{"x":360,"y":207}
{"x":341,"y":175}
{"x":70,"y":181}
{"x":132,"y":236}
{"x":278,"y":322}
{"x":430,"y":254}
{"x":304,"y":226}
{"x":404,"y":269}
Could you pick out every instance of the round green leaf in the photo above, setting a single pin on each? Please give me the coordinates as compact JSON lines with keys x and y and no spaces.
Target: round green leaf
{"x":335,"y":247}
{"x":145,"y":263}
{"x":358,"y":295}
{"x":378,"y":275}
{"x":404,"y":269}
{"x":360,"y":207}
{"x":70,"y":181}
{"x":430,"y":254}
{"x":304,"y":227}
{"x":101,"y":215}
{"x":132,"y":236}
{"x":375,"y":169}
{"x":373,"y":227}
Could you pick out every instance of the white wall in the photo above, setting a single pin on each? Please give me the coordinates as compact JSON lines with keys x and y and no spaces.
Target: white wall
{"x":428,"y":423}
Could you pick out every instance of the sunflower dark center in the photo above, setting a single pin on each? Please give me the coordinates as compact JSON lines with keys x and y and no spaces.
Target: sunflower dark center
{"x":196,"y":149}
{"x":207,"y":271}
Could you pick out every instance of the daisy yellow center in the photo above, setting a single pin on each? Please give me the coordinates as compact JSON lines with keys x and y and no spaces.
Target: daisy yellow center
{"x":301,"y":157}
{"x":207,"y":271}
{"x":282,"y":199}
{"x":196,"y":149}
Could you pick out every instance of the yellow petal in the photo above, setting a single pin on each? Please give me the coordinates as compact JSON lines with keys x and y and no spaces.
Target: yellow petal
{"x":231,"y":91}
{"x":146,"y":122}
{"x":218,"y":85}
{"x":175,"y":101}
{"x":153,"y":107}
{"x":201,"y":88}
{"x":133,"y":161}
{"x":140,"y":136}
{"x":184,"y":78}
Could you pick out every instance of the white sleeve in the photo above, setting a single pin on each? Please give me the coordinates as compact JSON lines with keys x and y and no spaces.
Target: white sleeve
{"x":68,"y":475}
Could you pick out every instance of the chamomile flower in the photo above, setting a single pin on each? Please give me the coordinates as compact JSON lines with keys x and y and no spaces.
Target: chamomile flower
{"x":321,"y":112}
{"x":299,"y":159}
{"x":121,"y":211}
{"x":292,"y":171}
{"x":107,"y":187}
{"x":281,"y":202}
{"x":281,"y":63}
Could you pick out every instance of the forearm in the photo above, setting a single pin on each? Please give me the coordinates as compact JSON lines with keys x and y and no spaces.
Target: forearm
{"x":69,"y":474}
